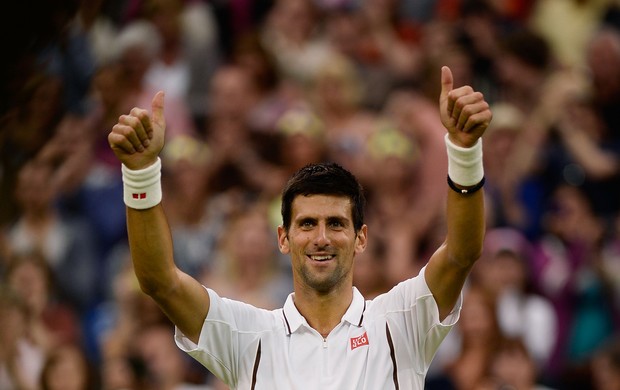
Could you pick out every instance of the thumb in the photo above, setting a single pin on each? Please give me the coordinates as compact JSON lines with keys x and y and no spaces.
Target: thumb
{"x":447,"y":81}
{"x":157,"y":110}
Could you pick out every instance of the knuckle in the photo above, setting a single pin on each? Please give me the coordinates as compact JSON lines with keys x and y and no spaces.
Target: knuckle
{"x":469,"y":110}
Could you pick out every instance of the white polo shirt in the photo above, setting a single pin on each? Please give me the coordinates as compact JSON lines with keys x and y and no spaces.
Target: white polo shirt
{"x":384,"y":343}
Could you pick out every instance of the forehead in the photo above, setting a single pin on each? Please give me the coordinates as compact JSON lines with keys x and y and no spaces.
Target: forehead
{"x":321,"y":206}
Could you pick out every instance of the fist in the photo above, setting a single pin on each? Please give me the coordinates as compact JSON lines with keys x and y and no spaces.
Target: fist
{"x":138,"y":138}
{"x":464,"y":112}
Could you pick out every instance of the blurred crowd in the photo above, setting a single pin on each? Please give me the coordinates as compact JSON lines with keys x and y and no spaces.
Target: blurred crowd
{"x":256,"y":89}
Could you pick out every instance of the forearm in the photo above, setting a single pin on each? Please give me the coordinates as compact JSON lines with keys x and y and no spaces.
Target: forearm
{"x":466,"y":226}
{"x":150,"y":244}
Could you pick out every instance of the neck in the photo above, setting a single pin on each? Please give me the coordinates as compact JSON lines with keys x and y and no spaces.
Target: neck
{"x":323,"y":311}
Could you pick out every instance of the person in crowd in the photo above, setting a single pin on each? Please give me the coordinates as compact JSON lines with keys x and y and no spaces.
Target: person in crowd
{"x":605,"y":366}
{"x":67,"y":243}
{"x":50,"y":322}
{"x":66,"y":368}
{"x":477,"y":335}
{"x":505,"y":270}
{"x":565,"y":270}
{"x":196,"y":218}
{"x":247,"y":267}
{"x":166,"y":367}
{"x":512,"y":367}
{"x":189,"y":54}
{"x":21,"y":360}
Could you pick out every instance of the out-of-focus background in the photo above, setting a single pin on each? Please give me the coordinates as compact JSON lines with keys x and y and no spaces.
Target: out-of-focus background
{"x":254,"y":91}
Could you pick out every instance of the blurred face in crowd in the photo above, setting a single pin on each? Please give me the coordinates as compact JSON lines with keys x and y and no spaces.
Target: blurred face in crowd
{"x":513,"y":366}
{"x":603,"y":58}
{"x":34,"y":188}
{"x":66,"y":369}
{"x":29,"y":280}
{"x":294,"y":19}
{"x":232,"y":93}
{"x":478,"y":319}
{"x":163,"y":359}
{"x":506,"y":270}
{"x":250,"y":242}
{"x":605,"y":372}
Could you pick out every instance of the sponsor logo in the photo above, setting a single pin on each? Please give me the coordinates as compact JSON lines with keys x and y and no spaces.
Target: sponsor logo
{"x":359,"y":341}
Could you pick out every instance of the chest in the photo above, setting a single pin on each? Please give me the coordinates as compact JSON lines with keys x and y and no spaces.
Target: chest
{"x":350,"y":357}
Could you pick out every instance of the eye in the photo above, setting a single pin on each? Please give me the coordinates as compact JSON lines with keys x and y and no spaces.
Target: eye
{"x":336,"y":224}
{"x":306,"y":224}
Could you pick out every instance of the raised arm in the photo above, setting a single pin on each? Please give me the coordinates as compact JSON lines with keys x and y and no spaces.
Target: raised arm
{"x":466,"y":115}
{"x":137,"y":139}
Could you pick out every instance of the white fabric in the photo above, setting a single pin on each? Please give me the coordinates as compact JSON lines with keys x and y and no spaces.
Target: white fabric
{"x":295,"y":356}
{"x":30,"y":361}
{"x":142,"y":187}
{"x":465,"y":164}
{"x":532,"y":318}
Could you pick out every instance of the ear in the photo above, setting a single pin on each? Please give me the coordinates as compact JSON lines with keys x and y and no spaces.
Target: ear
{"x":283,"y":240}
{"x":361,"y":240}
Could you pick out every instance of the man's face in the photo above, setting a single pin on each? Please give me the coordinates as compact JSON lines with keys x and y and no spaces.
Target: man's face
{"x":322,"y":242}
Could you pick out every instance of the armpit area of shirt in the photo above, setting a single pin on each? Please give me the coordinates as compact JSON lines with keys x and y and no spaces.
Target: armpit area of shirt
{"x":452,"y":318}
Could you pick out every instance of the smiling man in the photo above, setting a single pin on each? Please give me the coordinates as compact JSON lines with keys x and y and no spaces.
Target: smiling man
{"x":327,"y":336}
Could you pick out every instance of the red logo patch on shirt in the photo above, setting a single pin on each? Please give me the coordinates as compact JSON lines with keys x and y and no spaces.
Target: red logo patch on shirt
{"x":359,"y":341}
{"x":141,"y":195}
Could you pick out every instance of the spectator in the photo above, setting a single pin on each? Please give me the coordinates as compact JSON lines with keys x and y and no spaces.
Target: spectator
{"x":166,"y":366}
{"x":25,"y":130}
{"x":477,"y":336}
{"x":49,"y":322}
{"x":564,"y":264}
{"x":247,"y":266}
{"x":335,"y":95}
{"x":512,"y":367}
{"x":137,"y":47}
{"x":66,"y":368}
{"x":505,"y":271}
{"x":605,"y":366}
{"x":290,"y":33}
{"x":195,"y":218}
{"x":67,"y":243}
{"x":370,"y":273}
{"x":189,"y":54}
{"x":21,"y":361}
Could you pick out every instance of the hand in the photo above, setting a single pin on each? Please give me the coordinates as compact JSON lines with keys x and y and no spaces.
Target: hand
{"x":138,"y":138}
{"x":463,"y":111}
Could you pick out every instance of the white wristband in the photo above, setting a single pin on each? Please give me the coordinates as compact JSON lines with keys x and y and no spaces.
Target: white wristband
{"x":142,"y":187}
{"x":465,"y":164}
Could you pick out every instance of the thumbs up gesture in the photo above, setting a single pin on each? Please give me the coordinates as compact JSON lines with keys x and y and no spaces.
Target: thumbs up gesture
{"x":138,"y":137}
{"x":463,"y":111}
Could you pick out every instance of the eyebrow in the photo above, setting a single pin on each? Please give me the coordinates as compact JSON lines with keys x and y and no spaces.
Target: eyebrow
{"x":332,"y":219}
{"x":303,"y":220}
{"x":343,"y":221}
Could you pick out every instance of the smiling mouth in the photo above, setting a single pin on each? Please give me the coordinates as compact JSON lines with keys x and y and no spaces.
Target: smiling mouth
{"x":321,"y":257}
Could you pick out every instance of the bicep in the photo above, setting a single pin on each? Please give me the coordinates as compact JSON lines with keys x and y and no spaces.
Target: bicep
{"x":445,"y":280}
{"x":186,"y":305}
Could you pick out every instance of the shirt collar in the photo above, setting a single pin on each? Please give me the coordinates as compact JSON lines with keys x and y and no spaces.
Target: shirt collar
{"x":354,"y":314}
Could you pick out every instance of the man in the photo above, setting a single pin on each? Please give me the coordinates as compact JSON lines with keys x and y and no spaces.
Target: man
{"x":326,"y":336}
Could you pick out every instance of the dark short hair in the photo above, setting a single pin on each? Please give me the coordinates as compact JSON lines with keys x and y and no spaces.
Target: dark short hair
{"x":324,"y":179}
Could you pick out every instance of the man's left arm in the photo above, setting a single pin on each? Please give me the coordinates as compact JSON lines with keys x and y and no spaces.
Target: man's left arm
{"x":466,"y":115}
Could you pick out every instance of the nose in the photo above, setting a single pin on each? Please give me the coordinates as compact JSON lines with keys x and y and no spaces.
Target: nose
{"x":321,"y":239}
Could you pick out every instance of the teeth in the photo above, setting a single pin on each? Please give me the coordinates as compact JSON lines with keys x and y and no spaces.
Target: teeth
{"x":321,"y":258}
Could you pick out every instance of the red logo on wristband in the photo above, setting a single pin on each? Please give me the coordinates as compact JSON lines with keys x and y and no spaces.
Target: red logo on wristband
{"x":359,"y":341}
{"x":141,"y":195}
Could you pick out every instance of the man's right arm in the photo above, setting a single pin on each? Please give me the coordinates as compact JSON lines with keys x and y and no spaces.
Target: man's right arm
{"x":137,"y":140}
